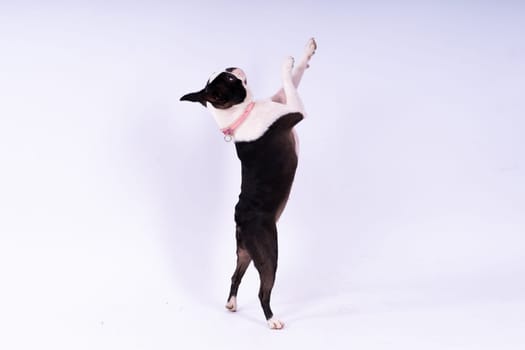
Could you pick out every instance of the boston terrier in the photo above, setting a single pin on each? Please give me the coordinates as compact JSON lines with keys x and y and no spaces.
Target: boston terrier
{"x":266,"y":145}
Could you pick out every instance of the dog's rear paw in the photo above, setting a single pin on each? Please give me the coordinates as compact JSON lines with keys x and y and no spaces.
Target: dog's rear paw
{"x":231,"y":305}
{"x":275,"y":324}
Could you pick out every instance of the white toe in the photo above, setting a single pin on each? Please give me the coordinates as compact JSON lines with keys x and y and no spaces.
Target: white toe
{"x":275,"y":324}
{"x":232,"y":304}
{"x":311,"y":47}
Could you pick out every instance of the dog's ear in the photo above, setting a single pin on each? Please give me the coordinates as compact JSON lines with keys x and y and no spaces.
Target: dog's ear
{"x":199,"y":96}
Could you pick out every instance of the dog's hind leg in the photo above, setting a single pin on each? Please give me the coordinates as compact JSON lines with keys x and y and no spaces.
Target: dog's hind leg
{"x":243,"y":261}
{"x":264,"y":254}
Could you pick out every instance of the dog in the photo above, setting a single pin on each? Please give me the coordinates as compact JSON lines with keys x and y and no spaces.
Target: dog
{"x":266,"y":145}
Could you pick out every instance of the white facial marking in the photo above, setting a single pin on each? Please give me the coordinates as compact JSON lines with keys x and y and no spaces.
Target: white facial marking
{"x":239,"y":73}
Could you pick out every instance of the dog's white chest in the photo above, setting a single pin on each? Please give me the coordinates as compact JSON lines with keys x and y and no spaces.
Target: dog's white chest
{"x":263,"y":115}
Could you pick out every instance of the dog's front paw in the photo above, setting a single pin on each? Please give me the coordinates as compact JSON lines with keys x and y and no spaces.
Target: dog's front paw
{"x":311,"y":46}
{"x":288,"y":65}
{"x":309,"y":51}
{"x":275,"y":324}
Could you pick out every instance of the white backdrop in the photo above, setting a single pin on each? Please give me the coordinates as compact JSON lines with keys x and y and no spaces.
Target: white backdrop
{"x":405,"y":225}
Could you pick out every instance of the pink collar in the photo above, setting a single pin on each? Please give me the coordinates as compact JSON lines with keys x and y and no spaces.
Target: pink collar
{"x":228,"y":132}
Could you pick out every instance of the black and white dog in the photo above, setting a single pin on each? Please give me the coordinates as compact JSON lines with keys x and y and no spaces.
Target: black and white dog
{"x":267,"y":148}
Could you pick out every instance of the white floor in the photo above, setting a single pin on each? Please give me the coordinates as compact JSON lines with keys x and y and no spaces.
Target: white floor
{"x":131,"y":294}
{"x":161,"y":319}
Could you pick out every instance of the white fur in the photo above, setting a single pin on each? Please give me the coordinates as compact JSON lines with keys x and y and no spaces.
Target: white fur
{"x":265,"y":112}
{"x":239,"y":73}
{"x":232,"y":304}
{"x":275,"y":324}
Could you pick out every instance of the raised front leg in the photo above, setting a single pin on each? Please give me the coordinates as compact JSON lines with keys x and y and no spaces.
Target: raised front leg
{"x":298,"y":72}
{"x":290,"y":91}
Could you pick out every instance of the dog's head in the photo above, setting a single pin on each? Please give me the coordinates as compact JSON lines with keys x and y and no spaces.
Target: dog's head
{"x":223,"y":90}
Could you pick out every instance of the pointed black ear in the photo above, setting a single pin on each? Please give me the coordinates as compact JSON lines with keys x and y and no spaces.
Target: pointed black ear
{"x":195,"y":97}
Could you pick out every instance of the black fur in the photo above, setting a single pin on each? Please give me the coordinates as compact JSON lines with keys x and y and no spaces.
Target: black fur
{"x":231,"y":69}
{"x":225,"y":91}
{"x":268,"y":169}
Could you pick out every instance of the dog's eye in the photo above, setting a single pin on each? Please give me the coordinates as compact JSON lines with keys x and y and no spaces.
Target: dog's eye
{"x":230,"y":77}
